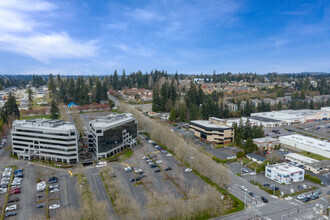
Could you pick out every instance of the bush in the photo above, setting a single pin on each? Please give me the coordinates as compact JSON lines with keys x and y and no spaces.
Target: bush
{"x":313,"y":178}
{"x":240,"y":154}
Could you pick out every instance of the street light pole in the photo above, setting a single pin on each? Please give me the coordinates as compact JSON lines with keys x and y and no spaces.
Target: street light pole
{"x":244,"y":198}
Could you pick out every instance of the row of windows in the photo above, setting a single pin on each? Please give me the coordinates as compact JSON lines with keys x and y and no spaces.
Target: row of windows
{"x":45,"y":138}
{"x":45,"y":132}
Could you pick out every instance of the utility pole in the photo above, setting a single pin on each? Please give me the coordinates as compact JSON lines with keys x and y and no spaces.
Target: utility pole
{"x":244,"y":198}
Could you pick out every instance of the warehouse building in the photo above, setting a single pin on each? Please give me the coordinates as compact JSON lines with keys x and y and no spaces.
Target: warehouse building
{"x":214,"y":130}
{"x":111,"y":134}
{"x":45,"y":139}
{"x":310,"y":164}
{"x":308,"y":144}
{"x":284,"y":173}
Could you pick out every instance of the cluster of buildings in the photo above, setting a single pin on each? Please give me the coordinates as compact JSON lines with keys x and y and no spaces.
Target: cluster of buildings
{"x":138,"y":94}
{"x":57,"y":140}
{"x":214,"y":130}
{"x":284,"y":117}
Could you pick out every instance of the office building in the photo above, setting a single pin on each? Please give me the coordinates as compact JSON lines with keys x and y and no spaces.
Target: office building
{"x":310,"y":164}
{"x":111,"y":134}
{"x":214,"y":130}
{"x":46,"y":139}
{"x":284,"y":173}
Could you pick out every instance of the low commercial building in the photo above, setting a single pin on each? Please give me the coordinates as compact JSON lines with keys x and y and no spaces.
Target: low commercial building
{"x":111,"y":134}
{"x":256,"y":158}
{"x":284,"y":173}
{"x":45,"y":139}
{"x":310,"y":164}
{"x":309,"y":144}
{"x":267,"y":143}
{"x":214,"y":130}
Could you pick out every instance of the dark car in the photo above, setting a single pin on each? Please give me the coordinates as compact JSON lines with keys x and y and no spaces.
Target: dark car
{"x":41,"y":205}
{"x":18,"y":171}
{"x":272,"y":187}
{"x":52,"y":180}
{"x":252,"y":194}
{"x":168,"y":168}
{"x":157,"y":171}
{"x":138,"y":178}
{"x":266,"y":184}
{"x":10,"y":214}
{"x":313,"y":197}
{"x":132,"y":179}
{"x":318,"y":192}
{"x":299,"y":187}
{"x":13,"y":200}
{"x":142,"y":176}
{"x":153,"y":165}
{"x":307,"y":199}
{"x":264,"y":199}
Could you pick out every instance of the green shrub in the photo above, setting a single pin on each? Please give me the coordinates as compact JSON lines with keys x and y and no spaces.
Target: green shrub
{"x":313,"y":178}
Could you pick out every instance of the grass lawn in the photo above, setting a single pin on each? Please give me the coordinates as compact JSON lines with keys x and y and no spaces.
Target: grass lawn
{"x":314,"y":156}
{"x":33,"y":117}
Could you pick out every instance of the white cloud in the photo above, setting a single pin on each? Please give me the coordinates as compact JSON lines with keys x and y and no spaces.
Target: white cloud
{"x":22,"y":33}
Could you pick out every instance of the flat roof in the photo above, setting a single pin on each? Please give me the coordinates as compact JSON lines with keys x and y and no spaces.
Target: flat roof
{"x":260,"y":118}
{"x":49,"y":124}
{"x":111,"y":120}
{"x":301,"y":158}
{"x":285,"y":167}
{"x":217,"y":119}
{"x":265,"y":139}
{"x":312,"y":142}
{"x":208,"y":124}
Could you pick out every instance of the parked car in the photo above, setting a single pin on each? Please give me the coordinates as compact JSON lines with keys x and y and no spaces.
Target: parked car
{"x":252,"y":194}
{"x":168,"y":168}
{"x":157,"y":171}
{"x":138,"y":178}
{"x":300,"y":188}
{"x":153,"y":165}
{"x":266,"y":184}
{"x":306,"y":199}
{"x":264,"y":199}
{"x":53,"y":186}
{"x":11,"y":208}
{"x":300,"y":197}
{"x":55,"y":206}
{"x":132,"y":179}
{"x":245,"y":170}
{"x":318,"y":192}
{"x":8,"y":214}
{"x":54,"y":190}
{"x":313,"y":197}
{"x":40,"y":205}
{"x":128,"y":169}
{"x":13,"y":200}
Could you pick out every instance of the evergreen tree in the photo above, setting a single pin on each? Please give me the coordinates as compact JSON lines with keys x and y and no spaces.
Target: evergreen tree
{"x":311,"y":104}
{"x":30,"y":95}
{"x":249,"y":146}
{"x":51,"y":85}
{"x":115,"y":80}
{"x":279,"y":105}
{"x":172,"y":115}
{"x":54,"y":112}
{"x":98,"y":91}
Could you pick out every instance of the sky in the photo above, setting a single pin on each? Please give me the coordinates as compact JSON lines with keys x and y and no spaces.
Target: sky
{"x":190,"y":37}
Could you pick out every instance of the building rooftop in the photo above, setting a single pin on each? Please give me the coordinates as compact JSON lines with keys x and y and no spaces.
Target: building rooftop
{"x":301,"y":158}
{"x":266,"y":139}
{"x":285,"y":167}
{"x":217,"y":119}
{"x":111,"y":120}
{"x":208,"y":124}
{"x":48,"y":124}
{"x":312,"y":142}
{"x":263,"y":119}
{"x":256,"y":156}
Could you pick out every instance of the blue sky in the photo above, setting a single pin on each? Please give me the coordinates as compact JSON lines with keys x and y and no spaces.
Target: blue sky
{"x":195,"y":36}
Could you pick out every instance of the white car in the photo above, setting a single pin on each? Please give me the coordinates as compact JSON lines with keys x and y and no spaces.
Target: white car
{"x":2,"y":191}
{"x":102,"y":164}
{"x":252,"y":173}
{"x":12,"y":207}
{"x":244,"y":188}
{"x":55,"y":206}
{"x":128,"y":169}
{"x":54,"y":190}
{"x":169,"y":155}
{"x":302,"y":196}
{"x":159,"y":161}
{"x":187,"y":170}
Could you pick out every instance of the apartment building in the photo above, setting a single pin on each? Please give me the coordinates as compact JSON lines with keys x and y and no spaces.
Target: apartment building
{"x":214,"y":130}
{"x":111,"y":134}
{"x":45,"y":139}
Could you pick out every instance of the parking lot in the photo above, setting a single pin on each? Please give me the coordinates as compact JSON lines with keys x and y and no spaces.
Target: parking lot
{"x":174,"y":182}
{"x":28,"y":198}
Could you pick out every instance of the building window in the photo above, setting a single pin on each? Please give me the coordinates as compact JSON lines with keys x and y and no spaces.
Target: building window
{"x":98,"y":131}
{"x":301,"y":173}
{"x":269,"y":171}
